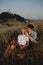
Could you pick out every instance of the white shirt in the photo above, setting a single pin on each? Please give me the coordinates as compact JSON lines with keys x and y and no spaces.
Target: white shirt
{"x":22,"y":39}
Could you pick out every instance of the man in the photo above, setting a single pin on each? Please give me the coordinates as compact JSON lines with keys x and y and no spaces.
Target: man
{"x":31,"y":34}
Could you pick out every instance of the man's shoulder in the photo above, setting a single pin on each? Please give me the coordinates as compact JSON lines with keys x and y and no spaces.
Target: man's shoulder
{"x":34,"y":32}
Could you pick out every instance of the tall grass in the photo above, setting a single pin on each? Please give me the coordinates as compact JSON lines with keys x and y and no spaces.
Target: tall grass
{"x":33,"y":56}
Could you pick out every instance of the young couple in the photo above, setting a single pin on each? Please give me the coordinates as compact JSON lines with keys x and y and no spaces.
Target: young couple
{"x":24,"y":40}
{"x":27,"y":37}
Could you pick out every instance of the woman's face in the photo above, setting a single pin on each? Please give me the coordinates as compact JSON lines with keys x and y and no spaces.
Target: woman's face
{"x":23,"y":30}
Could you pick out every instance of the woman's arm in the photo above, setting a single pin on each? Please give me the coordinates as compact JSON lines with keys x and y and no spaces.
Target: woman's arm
{"x":24,"y":46}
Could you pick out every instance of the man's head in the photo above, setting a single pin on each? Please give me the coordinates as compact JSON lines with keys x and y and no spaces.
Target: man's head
{"x":30,"y":27}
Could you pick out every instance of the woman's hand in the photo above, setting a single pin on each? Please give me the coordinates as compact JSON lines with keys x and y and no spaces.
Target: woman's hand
{"x":22,"y":47}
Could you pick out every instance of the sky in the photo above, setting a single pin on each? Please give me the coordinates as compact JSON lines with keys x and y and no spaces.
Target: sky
{"x":30,"y":9}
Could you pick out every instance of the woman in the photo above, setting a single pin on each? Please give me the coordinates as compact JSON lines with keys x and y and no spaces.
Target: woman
{"x":23,"y":42}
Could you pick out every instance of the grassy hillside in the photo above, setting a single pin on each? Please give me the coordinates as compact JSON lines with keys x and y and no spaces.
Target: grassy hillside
{"x":14,"y":24}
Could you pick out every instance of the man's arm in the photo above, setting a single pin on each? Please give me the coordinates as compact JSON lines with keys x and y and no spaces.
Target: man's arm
{"x":32,"y":39}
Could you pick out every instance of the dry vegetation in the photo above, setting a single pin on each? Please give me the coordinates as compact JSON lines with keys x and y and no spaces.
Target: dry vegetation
{"x":33,"y":56}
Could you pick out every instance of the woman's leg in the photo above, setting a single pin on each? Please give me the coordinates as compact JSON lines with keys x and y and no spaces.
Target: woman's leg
{"x":6,"y":51}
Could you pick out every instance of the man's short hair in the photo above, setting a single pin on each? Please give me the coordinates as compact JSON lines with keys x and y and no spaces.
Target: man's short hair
{"x":30,"y":26}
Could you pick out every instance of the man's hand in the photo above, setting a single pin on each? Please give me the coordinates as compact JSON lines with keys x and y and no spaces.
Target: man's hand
{"x":26,"y":34}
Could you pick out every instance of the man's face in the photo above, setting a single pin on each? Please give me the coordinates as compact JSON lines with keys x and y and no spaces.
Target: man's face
{"x":28,"y":30}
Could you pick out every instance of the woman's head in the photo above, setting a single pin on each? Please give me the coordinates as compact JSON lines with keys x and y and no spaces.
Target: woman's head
{"x":23,"y":30}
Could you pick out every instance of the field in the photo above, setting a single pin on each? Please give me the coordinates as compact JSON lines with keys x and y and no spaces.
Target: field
{"x":11,"y":29}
